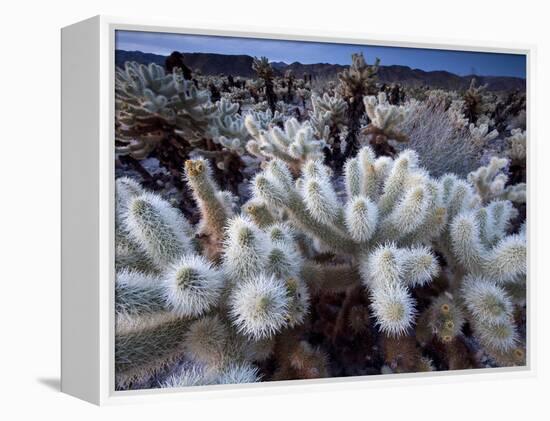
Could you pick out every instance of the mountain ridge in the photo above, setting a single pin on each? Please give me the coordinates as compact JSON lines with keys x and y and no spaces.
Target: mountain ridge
{"x":241,"y":65}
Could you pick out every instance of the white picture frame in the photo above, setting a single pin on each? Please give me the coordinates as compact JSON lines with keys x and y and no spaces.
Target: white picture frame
{"x":88,"y":215}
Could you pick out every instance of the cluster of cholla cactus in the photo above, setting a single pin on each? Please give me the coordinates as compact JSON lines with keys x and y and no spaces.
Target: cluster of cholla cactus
{"x":385,"y":120}
{"x":313,"y":227}
{"x":294,"y":144}
{"x":166,"y":114}
{"x":210,"y":303}
{"x":328,"y":118}
{"x":148,"y":100}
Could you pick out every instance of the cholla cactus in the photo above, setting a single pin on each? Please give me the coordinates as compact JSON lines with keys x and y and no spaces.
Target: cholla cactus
{"x":481,"y":134}
{"x":480,"y":243}
{"x":491,"y":312}
{"x":360,"y":77}
{"x":356,"y":82}
{"x":171,"y":118}
{"x":518,"y":146}
{"x":329,"y":116}
{"x":259,"y":306}
{"x":399,"y":198}
{"x":238,"y":374}
{"x":394,"y":218}
{"x":192,"y":286}
{"x":437,"y":97}
{"x":227,"y":128}
{"x":328,"y":119}
{"x":265,"y":72}
{"x":475,"y":104}
{"x":265,"y":120}
{"x":384,"y":122}
{"x":246,"y":250}
{"x":149,"y":100}
{"x":157,"y":228}
{"x":383,"y":115}
{"x":384,"y":205}
{"x":260,"y":279}
{"x":491,"y":182}
{"x":456,"y":114}
{"x":388,"y":272}
{"x":145,"y":345}
{"x":138,"y":293}
{"x":294,"y":145}
{"x":215,"y":206}
{"x":190,"y":375}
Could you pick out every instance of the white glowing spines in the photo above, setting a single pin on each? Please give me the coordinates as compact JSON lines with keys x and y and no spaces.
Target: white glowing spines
{"x":391,"y":302}
{"x":507,"y":261}
{"x":361,"y":218}
{"x":145,"y":344}
{"x":276,"y":188}
{"x":283,"y":260}
{"x":274,"y":184}
{"x":491,"y":311}
{"x":126,"y":188}
{"x":352,"y":174}
{"x":394,"y":309}
{"x":238,"y":373}
{"x":206,"y":341}
{"x":370,"y":179}
{"x":397,"y":177}
{"x":246,"y":249}
{"x":158,"y":228}
{"x":411,"y":210}
{"x":188,"y":375}
{"x":419,"y":266}
{"x":518,"y":145}
{"x":388,"y":272}
{"x":382,"y":266}
{"x":489,"y":181}
{"x":200,"y":375}
{"x":320,"y":200}
{"x":192,"y":286}
{"x":500,"y":337}
{"x":486,"y":301}
{"x":480,"y":243}
{"x":259,"y":306}
{"x":138,"y":293}
{"x":457,"y":196}
{"x":265,"y":268}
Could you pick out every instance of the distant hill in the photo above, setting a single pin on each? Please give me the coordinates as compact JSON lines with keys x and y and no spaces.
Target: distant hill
{"x":122,"y":56}
{"x":241,"y":65}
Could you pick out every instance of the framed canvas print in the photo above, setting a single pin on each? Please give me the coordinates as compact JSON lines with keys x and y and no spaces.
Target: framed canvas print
{"x":243,"y":210}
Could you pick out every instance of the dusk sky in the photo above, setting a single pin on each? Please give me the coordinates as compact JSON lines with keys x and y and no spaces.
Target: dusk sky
{"x":458,"y":62}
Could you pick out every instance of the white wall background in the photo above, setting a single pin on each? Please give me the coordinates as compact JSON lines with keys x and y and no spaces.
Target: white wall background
{"x":29,"y":207}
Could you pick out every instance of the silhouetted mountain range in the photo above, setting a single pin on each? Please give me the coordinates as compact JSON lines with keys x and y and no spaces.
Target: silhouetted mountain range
{"x":241,"y":65}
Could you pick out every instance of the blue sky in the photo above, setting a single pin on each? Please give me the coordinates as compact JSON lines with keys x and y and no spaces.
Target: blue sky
{"x":459,"y":62}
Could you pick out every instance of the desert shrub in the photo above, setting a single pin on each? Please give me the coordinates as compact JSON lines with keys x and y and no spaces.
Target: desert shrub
{"x":441,"y":145}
